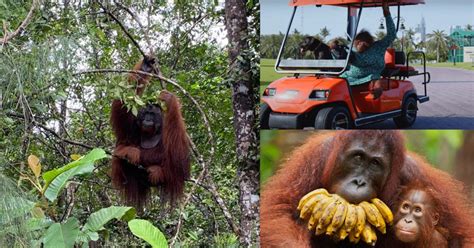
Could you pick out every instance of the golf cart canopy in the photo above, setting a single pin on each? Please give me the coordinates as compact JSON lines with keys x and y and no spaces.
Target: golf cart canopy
{"x":355,"y":3}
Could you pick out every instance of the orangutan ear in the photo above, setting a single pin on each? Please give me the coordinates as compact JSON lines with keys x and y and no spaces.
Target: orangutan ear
{"x":435,"y":219}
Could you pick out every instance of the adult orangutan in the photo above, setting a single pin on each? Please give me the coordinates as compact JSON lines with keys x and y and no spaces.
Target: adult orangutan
{"x":357,"y":165}
{"x":152,"y":149}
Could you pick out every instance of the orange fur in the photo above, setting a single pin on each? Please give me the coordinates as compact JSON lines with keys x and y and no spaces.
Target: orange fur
{"x":308,"y":167}
{"x":165,"y":166}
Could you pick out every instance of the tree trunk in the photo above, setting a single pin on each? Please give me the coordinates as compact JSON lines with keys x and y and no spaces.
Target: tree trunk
{"x":437,"y":53}
{"x":244,"y":104}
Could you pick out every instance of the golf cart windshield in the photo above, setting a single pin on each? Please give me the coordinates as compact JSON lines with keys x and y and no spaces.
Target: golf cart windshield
{"x":354,"y":3}
{"x":318,"y":40}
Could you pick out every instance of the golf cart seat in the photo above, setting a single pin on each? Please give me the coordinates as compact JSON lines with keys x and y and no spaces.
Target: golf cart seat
{"x":395,"y":65}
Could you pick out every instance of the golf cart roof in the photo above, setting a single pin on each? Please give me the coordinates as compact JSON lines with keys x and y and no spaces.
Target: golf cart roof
{"x":355,"y":3}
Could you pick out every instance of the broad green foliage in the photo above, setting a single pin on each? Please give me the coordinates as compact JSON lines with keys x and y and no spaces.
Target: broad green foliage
{"x":61,"y":235}
{"x":56,"y":179}
{"x":146,"y":231}
{"x":97,"y":220}
{"x":33,"y":220}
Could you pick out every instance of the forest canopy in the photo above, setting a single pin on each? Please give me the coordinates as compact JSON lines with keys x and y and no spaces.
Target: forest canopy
{"x":61,"y":65}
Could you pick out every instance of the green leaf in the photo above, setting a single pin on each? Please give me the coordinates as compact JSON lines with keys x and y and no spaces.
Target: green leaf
{"x":146,"y":231}
{"x":58,"y":183}
{"x":34,"y":224}
{"x":8,"y":121}
{"x":139,"y":101}
{"x":85,"y":236}
{"x":97,"y":220}
{"x":134,"y":110}
{"x":62,"y":235}
{"x":91,"y":157}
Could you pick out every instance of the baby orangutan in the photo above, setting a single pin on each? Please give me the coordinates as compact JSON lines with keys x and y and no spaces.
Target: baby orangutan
{"x":417,"y":218}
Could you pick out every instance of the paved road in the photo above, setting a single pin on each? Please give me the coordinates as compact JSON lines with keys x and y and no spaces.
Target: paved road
{"x":451,"y":104}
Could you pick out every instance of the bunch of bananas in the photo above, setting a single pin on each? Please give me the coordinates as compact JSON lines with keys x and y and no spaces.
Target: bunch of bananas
{"x":334,"y":216}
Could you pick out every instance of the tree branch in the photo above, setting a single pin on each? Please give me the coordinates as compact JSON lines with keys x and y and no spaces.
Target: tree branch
{"x":134,"y":17}
{"x":122,"y":27}
{"x":23,"y":24}
{"x":34,"y":122}
{"x":184,"y":91}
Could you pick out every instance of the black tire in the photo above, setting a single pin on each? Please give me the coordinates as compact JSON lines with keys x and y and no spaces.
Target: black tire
{"x":333,"y":118}
{"x":409,"y":112}
{"x":264,"y":116}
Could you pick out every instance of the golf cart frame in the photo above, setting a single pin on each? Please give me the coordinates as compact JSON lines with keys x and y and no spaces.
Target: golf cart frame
{"x":333,"y":68}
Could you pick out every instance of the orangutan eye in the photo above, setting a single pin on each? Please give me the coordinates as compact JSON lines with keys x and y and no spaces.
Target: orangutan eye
{"x":375,"y":162}
{"x":358,"y":158}
{"x":405,"y":206}
{"x":418,"y":210}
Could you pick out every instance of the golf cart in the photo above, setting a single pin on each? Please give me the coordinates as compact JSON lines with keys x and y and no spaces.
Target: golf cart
{"x":316,"y":96}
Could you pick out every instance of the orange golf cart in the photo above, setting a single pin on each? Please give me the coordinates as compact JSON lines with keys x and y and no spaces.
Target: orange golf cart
{"x":316,"y":96}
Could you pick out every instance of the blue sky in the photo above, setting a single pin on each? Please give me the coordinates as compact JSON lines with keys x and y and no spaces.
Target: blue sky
{"x":438,"y":14}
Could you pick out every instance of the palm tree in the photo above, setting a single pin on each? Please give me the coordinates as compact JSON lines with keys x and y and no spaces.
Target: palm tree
{"x":439,"y":38}
{"x":270,"y":45}
{"x":409,"y":42}
{"x":324,"y":33}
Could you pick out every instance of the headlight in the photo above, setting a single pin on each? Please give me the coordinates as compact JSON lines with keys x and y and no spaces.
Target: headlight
{"x":269,"y":92}
{"x":319,"y":94}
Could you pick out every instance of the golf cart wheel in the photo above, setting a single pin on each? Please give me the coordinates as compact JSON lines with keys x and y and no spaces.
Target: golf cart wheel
{"x":333,"y":118}
{"x":264,"y":115}
{"x":409,"y":111}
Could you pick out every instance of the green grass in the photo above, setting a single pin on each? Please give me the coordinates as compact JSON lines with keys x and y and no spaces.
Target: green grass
{"x":267,"y":72}
{"x":466,"y":66}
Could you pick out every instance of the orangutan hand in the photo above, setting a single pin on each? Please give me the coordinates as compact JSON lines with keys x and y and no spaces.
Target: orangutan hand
{"x":155,"y":174}
{"x":166,"y":96}
{"x":130,"y":153}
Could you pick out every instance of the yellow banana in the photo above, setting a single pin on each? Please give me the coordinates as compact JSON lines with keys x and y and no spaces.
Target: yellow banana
{"x":309,"y":205}
{"x":353,"y":238}
{"x":371,"y":213}
{"x":307,"y":208}
{"x":380,"y":220}
{"x":351,"y":218}
{"x":308,"y":196}
{"x":338,"y":219}
{"x":384,"y":210}
{"x":360,"y":221}
{"x":318,"y":211}
{"x":312,"y":221}
{"x":342,"y":234}
{"x":369,"y":236}
{"x":327,"y":217}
